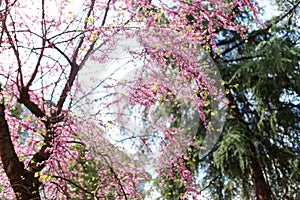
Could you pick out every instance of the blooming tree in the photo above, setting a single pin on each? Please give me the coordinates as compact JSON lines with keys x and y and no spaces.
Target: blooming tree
{"x":44,"y":45}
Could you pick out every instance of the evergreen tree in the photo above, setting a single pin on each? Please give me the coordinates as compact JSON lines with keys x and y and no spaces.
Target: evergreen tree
{"x":257,"y":155}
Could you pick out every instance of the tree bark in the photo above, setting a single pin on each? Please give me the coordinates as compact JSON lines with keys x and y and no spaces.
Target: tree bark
{"x":261,"y":187}
{"x":23,"y":182}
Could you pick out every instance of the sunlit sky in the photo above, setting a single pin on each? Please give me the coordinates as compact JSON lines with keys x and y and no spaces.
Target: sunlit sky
{"x":270,"y":9}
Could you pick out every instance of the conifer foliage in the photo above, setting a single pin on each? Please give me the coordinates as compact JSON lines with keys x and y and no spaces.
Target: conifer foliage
{"x":257,"y":156}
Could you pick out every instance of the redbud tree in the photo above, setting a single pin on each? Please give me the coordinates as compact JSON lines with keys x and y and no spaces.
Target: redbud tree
{"x":47,"y":150}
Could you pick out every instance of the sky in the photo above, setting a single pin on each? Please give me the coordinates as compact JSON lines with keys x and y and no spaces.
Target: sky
{"x":270,"y":9}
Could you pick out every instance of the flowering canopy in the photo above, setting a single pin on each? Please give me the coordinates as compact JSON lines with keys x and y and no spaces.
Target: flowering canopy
{"x":47,"y":151}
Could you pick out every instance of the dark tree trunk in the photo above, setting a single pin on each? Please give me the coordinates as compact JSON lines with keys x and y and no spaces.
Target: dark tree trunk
{"x":23,"y":182}
{"x":261,"y":187}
